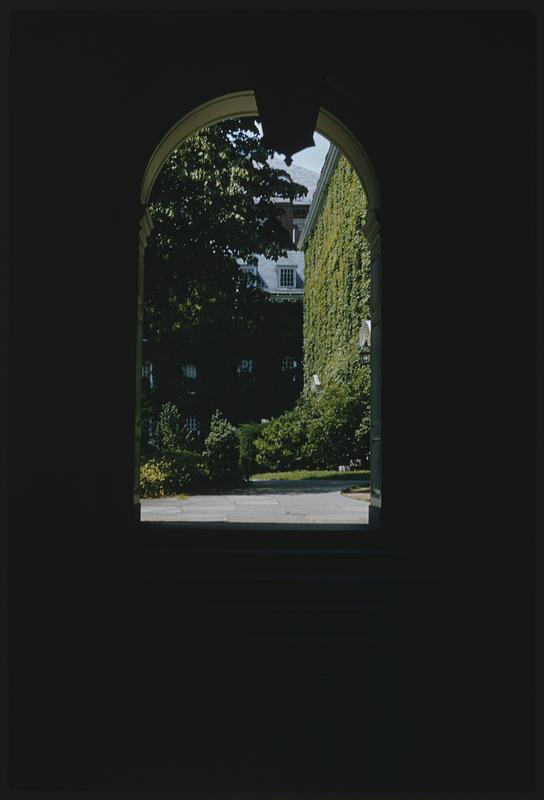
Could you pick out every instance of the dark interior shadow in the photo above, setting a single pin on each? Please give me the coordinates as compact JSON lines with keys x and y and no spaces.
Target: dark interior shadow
{"x":256,"y":526}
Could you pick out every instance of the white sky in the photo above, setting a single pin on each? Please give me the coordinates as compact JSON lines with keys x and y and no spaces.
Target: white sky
{"x":313,"y":157}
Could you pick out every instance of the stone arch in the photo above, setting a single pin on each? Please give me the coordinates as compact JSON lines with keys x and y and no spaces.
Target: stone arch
{"x":243,"y":104}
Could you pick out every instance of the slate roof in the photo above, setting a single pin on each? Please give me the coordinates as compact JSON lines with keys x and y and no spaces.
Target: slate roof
{"x":268,"y":273}
{"x":267,"y":269}
{"x":307,"y":177}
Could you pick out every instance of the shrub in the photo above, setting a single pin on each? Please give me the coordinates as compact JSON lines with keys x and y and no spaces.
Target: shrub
{"x":169,"y":432}
{"x":320,"y":432}
{"x":169,"y":472}
{"x":279,"y":445}
{"x":248,"y":433}
{"x":222,"y":451}
{"x":188,"y":468}
{"x":156,"y":478}
{"x":336,"y":431}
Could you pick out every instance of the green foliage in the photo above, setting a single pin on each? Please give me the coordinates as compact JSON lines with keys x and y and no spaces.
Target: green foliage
{"x":330,"y":429}
{"x":248,"y":433}
{"x":148,"y":424}
{"x":362,"y":475}
{"x":170,"y":433}
{"x":337,"y":281}
{"x":168,"y":428}
{"x":321,"y":432}
{"x":281,"y":441}
{"x":211,"y":205}
{"x":337,"y":431}
{"x":155,"y":478}
{"x":170,"y":472}
{"x":222,"y":451}
{"x":188,"y":467}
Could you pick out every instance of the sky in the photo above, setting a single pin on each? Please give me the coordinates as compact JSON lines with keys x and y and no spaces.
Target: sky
{"x":311,"y":157}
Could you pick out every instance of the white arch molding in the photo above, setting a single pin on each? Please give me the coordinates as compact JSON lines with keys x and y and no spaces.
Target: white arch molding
{"x":243,"y":104}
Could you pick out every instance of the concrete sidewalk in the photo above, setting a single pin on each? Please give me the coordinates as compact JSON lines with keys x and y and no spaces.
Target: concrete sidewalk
{"x":310,"y":502}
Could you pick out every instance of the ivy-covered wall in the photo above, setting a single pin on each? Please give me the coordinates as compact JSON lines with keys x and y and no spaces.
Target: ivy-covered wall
{"x":337,"y":280}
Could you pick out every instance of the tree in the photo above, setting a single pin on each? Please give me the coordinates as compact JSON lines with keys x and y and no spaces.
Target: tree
{"x":211,"y":206}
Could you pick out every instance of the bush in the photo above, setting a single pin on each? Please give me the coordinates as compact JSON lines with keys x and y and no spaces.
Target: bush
{"x":156,"y":478}
{"x":336,"y":432}
{"x":320,"y":432}
{"x":170,"y":472}
{"x":188,"y":468}
{"x":248,"y":433}
{"x":169,"y":432}
{"x":280,"y":444}
{"x":222,"y":451}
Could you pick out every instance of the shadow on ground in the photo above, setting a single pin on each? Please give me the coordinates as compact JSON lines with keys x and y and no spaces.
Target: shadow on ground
{"x":246,"y":527}
{"x":287,"y":487}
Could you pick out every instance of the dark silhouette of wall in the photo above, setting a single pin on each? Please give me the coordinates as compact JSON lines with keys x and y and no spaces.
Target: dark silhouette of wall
{"x":443,"y":105}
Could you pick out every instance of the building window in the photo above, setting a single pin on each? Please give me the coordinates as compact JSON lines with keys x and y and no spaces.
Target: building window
{"x":147,"y":374}
{"x":288,"y":363}
{"x":246,"y":366}
{"x":287,"y":277}
{"x":192,"y":424}
{"x":189,"y":371}
{"x":246,"y":372}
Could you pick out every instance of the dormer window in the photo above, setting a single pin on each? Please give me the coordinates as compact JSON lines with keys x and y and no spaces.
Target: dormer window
{"x":188,"y":371}
{"x":287,"y":277}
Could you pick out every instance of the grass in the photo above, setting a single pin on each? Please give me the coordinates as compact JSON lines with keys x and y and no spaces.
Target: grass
{"x":313,"y":474}
{"x":182,"y":497}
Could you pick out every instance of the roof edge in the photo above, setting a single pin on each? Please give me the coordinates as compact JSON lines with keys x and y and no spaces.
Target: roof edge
{"x":329,"y":165}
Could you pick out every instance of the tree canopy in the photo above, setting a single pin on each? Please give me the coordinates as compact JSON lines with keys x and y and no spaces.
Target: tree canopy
{"x":212,"y":206}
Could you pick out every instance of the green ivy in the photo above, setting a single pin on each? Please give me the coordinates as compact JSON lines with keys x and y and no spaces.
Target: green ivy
{"x":337,"y":281}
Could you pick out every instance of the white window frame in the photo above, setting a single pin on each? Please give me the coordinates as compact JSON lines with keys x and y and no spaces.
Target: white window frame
{"x":192,"y":424}
{"x":284,"y":270}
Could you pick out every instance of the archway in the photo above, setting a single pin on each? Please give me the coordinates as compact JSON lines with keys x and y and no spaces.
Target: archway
{"x":243,"y":104}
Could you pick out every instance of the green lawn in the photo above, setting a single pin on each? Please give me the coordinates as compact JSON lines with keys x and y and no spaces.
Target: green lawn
{"x":313,"y":474}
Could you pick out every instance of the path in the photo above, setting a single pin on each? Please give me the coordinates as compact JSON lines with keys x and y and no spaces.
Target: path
{"x":289,"y":502}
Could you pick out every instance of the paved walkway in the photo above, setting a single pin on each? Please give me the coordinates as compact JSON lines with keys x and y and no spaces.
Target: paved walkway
{"x":288,"y":502}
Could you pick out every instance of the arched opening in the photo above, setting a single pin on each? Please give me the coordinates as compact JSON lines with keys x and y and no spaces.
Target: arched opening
{"x":243,"y":104}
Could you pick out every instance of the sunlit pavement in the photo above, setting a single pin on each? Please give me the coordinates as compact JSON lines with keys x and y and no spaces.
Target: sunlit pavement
{"x":310,"y":502}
